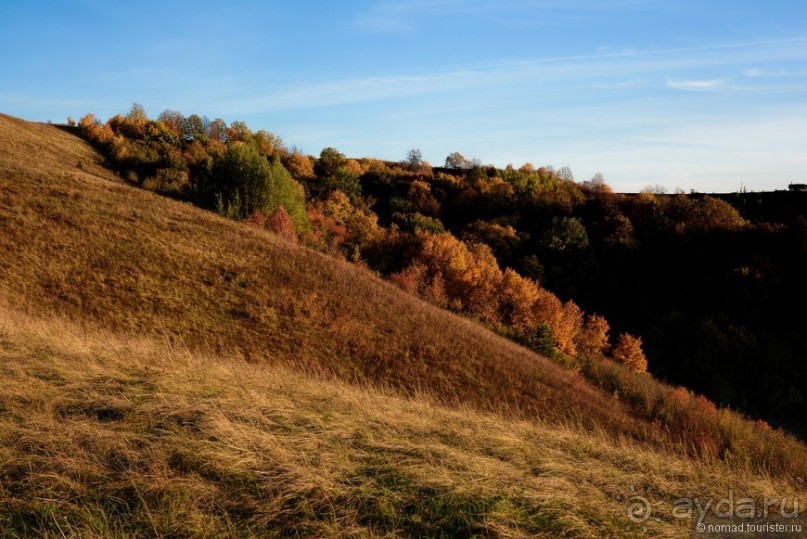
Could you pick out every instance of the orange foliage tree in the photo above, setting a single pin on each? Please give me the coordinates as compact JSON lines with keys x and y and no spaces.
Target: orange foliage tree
{"x":593,"y":340}
{"x":471,"y":274}
{"x":517,"y":296}
{"x":340,"y":226}
{"x":300,"y":166}
{"x":468,"y":278}
{"x":628,"y":351}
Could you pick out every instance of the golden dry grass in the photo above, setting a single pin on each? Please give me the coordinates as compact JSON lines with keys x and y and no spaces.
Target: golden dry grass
{"x":103,"y":435}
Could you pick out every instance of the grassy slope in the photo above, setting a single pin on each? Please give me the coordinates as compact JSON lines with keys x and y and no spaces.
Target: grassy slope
{"x":78,"y":244}
{"x":109,"y":436}
{"x":183,"y":443}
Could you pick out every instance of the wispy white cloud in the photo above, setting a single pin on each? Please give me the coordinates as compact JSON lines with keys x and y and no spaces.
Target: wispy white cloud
{"x":362,"y":89}
{"x":710,"y":85}
{"x":400,"y":16}
{"x":716,"y":152}
{"x":753,"y":73}
{"x":773,"y":73}
{"x":622,"y":51}
{"x":640,"y":136}
{"x":31,"y":100}
{"x":616,"y":70}
{"x":707,"y":151}
{"x":387,"y":16}
{"x":620,"y":84}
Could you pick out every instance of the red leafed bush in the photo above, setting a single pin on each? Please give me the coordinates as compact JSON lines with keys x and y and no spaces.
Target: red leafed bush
{"x":281,"y":224}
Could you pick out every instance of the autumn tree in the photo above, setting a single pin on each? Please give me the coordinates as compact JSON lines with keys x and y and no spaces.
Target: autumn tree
{"x":414,"y":159}
{"x":628,"y":351}
{"x":173,"y":120}
{"x":215,"y":131}
{"x":268,"y":143}
{"x":565,"y":173}
{"x":238,"y":132}
{"x":339,"y":224}
{"x":458,"y":161}
{"x":422,"y":199}
{"x":569,"y":328}
{"x":334,"y":171}
{"x":95,"y":131}
{"x":517,"y":295}
{"x":710,"y":213}
{"x":593,"y":341}
{"x":193,"y":127}
{"x":136,"y":121}
{"x":597,"y":185}
{"x":416,"y":279}
{"x":482,"y":282}
{"x":553,"y":327}
{"x":470,"y":274}
{"x":300,"y":166}
{"x":503,"y":239}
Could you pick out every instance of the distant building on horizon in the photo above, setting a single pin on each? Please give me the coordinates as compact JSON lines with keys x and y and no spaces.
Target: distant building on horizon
{"x":797,"y":187}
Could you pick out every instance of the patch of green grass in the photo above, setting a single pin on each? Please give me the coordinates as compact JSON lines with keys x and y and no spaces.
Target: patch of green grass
{"x":391,"y":502}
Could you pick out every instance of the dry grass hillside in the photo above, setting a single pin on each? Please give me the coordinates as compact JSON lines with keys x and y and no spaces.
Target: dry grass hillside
{"x":168,"y":372}
{"x":75,"y":243}
{"x":111,"y":436}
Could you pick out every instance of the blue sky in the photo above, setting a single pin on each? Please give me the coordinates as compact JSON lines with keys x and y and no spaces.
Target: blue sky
{"x":705,"y":95}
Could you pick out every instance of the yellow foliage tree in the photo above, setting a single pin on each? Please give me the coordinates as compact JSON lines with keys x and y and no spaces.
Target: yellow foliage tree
{"x":517,"y":295}
{"x":564,"y":320}
{"x":628,"y":351}
{"x":470,"y":275}
{"x":592,"y":341}
{"x":338,"y":223}
{"x":571,"y":324}
{"x":95,"y":131}
{"x":300,"y":166}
